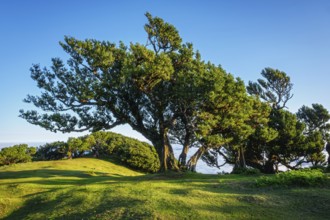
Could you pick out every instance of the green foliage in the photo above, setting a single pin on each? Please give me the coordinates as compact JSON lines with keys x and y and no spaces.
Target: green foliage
{"x":304,"y":177}
{"x":316,"y":119}
{"x":275,"y":88}
{"x":327,"y":169}
{"x":297,"y":138}
{"x":139,"y":155}
{"x":52,"y":151}
{"x":16,"y":154}
{"x":246,"y":171}
{"x":134,"y":153}
{"x":162,"y":35}
{"x":76,"y":147}
{"x":317,"y":131}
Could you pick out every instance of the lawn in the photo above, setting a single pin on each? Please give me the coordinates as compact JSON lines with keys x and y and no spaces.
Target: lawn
{"x":90,"y":188}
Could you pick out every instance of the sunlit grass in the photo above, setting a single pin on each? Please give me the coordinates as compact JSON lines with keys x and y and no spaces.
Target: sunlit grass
{"x":90,"y":188}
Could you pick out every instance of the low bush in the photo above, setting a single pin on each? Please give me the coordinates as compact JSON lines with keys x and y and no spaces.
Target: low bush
{"x":21,"y":153}
{"x":138,"y":155}
{"x":134,"y":153}
{"x":131,"y":152}
{"x":51,"y":151}
{"x":305,"y":177}
{"x":327,"y":169}
{"x":318,"y":167}
{"x":246,"y":171}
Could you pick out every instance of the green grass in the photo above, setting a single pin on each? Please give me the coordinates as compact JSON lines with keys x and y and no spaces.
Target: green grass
{"x":90,"y":188}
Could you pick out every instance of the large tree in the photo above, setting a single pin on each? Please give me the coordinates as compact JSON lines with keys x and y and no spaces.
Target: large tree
{"x":159,"y":89}
{"x":104,"y":85}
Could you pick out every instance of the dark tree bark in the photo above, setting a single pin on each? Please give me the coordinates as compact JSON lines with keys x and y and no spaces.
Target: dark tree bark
{"x":183,"y":156}
{"x":185,"y":149}
{"x":240,"y":159}
{"x":269,"y":167}
{"x":166,"y":154}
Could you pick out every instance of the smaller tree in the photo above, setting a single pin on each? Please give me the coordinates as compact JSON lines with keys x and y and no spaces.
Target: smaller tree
{"x":248,"y":136}
{"x":275,"y":88}
{"x":317,"y":129}
{"x":316,"y":118}
{"x":223,"y":116}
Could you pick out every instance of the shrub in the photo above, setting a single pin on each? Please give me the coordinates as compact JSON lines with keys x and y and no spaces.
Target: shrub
{"x":136,"y":154}
{"x":305,"y":177}
{"x":318,"y":167}
{"x":327,"y":169}
{"x":51,"y":151}
{"x":246,"y":171}
{"x":16,"y":154}
{"x":139,"y":155}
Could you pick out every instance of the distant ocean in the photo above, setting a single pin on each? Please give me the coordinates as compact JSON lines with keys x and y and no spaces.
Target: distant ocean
{"x":201,"y":166}
{"x":31,"y":144}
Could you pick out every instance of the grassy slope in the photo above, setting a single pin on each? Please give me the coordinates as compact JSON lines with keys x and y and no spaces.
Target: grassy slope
{"x":97,"y":189}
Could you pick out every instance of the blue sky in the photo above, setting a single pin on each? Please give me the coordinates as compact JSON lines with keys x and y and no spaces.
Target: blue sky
{"x":244,"y":36}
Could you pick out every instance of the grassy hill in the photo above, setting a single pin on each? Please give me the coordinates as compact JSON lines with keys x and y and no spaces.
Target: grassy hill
{"x":90,"y":188}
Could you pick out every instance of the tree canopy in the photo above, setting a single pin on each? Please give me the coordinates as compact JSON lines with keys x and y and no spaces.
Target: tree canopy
{"x":165,"y":91}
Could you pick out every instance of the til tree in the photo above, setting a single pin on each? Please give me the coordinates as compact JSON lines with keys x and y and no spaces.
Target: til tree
{"x":104,"y":85}
{"x":161,"y":89}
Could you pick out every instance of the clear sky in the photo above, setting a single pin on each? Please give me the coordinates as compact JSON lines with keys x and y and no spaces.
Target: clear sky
{"x":244,"y":36}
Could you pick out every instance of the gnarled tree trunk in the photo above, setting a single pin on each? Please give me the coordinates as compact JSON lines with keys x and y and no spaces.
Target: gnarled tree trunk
{"x":166,"y":155}
{"x":183,"y":156}
{"x":192,"y":163}
{"x":240,"y":159}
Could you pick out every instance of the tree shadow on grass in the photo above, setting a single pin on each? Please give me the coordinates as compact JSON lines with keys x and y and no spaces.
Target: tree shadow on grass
{"x":254,"y":202}
{"x":69,"y":198}
{"x":43,"y":173}
{"x":64,"y":177}
{"x":74,"y":204}
{"x":76,"y":195}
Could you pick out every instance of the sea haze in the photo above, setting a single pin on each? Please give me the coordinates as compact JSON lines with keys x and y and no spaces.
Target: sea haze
{"x":31,"y":144}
